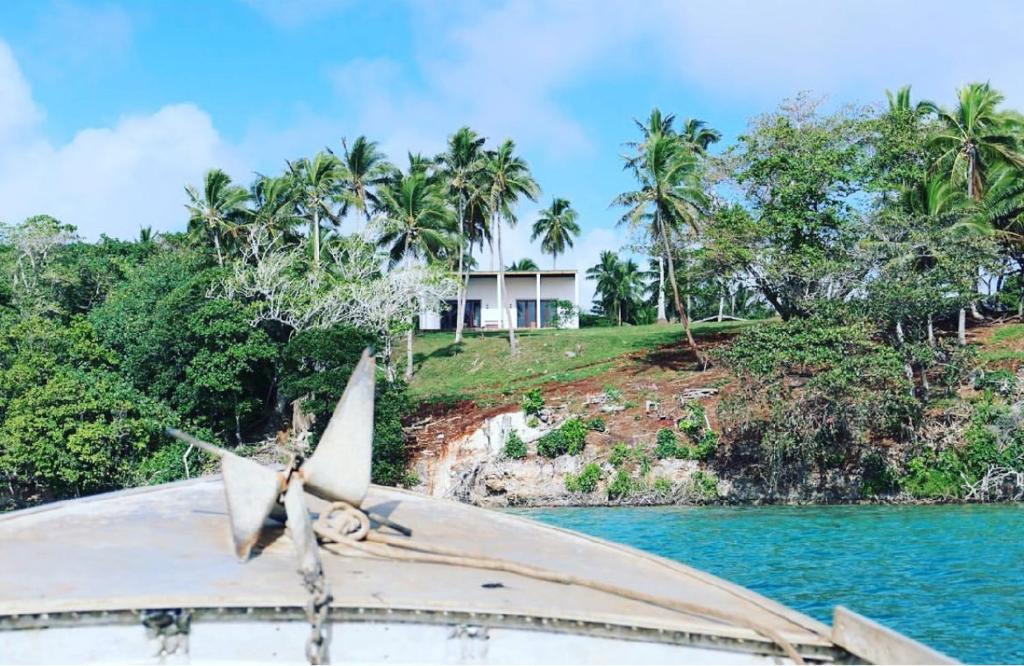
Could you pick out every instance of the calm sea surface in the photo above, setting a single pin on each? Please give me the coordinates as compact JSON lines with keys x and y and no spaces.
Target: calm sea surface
{"x":950,"y":576}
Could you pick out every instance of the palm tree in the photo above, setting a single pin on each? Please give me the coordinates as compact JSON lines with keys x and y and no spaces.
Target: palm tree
{"x":974,"y":137}
{"x":417,"y":223}
{"x":364,"y":168}
{"x":618,"y":284}
{"x":461,"y":167}
{"x":274,"y":199}
{"x":416,"y":219}
{"x":507,"y":179}
{"x":524,"y":264}
{"x":317,"y":183}
{"x":699,"y":135}
{"x":217,"y":209}
{"x":556,"y":228}
{"x":669,"y":199}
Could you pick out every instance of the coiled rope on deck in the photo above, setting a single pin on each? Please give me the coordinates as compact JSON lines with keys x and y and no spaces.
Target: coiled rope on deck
{"x":344,"y":529}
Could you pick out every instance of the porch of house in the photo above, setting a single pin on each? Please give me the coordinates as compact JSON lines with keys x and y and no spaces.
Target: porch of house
{"x":531,"y":301}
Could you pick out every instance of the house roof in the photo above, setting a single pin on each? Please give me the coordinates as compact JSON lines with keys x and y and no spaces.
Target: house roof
{"x":559,"y":272}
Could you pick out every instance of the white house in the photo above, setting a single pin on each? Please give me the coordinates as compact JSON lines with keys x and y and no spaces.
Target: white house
{"x":528,"y":293}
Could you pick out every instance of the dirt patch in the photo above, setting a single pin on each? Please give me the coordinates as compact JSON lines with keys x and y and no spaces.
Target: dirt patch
{"x":636,"y":397}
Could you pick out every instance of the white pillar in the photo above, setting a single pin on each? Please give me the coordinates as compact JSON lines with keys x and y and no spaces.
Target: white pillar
{"x":501,"y":312}
{"x":576,"y":295}
{"x":538,"y":299}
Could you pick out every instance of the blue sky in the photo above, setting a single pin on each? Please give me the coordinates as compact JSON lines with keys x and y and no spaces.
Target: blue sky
{"x":107,"y":109}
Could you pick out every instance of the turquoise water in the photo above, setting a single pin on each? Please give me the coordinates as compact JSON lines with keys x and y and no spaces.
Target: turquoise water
{"x":949,"y":576}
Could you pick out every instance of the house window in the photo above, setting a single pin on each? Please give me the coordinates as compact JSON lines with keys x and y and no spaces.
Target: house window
{"x":548,"y":309}
{"x":526,"y":313}
{"x":471,"y":318}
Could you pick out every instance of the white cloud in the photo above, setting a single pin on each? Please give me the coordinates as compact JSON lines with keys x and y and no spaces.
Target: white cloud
{"x":104,"y":180}
{"x":18,"y":113}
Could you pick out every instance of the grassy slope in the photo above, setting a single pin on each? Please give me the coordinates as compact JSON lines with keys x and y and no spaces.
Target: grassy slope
{"x":482,"y":369}
{"x":1004,"y":346}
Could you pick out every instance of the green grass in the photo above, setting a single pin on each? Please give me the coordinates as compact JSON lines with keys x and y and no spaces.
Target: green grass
{"x":1008,"y":333}
{"x":481,"y":368}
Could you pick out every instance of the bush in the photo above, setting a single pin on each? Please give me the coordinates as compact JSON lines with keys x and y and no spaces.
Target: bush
{"x":622,"y":485}
{"x":620,"y":455}
{"x":705,"y":485}
{"x":575,"y":433}
{"x":552,"y":444}
{"x":597,"y":424}
{"x":317,"y":365}
{"x":812,"y":395}
{"x":570,"y":438}
{"x":532,"y":402}
{"x":515,"y":447}
{"x":667,"y":444}
{"x":663,"y":486}
{"x":694,"y":421}
{"x":1002,"y":382}
{"x":584,"y":482}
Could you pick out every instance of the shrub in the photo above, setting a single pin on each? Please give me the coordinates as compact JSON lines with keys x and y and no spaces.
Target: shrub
{"x":667,"y":444}
{"x":705,"y":485}
{"x":619,"y":456}
{"x":706,"y":446}
{"x":1002,"y":382}
{"x":575,"y":434}
{"x":552,"y":444}
{"x":662,"y":486}
{"x":317,"y":365}
{"x":622,"y":485}
{"x":613,"y":395}
{"x":532,"y":402}
{"x":693,"y":421}
{"x":597,"y":424}
{"x":584,"y":482}
{"x":532,"y":421}
{"x":515,"y":447}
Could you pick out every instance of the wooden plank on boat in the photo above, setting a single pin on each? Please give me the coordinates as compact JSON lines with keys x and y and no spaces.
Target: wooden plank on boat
{"x":878,"y":644}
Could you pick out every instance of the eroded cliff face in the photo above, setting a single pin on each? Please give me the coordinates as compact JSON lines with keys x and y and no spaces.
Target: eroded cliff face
{"x":472,"y":468}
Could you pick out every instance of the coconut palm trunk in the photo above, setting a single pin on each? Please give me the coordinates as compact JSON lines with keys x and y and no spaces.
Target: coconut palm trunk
{"x":316,"y":238}
{"x":216,"y":245}
{"x":460,"y":303}
{"x":506,"y":306}
{"x":683,"y":317}
{"x":408,"y":353}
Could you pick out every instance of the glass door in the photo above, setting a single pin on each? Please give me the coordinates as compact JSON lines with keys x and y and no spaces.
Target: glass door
{"x":526,"y":314}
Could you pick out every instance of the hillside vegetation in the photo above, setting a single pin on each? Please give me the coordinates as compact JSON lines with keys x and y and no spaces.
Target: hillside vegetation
{"x":480,"y":369}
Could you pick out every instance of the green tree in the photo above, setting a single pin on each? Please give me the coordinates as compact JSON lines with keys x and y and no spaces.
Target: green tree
{"x":618,"y":285}
{"x":69,"y":423}
{"x":218,"y":210}
{"x":524,"y":264}
{"x":667,"y":204}
{"x":974,"y":136}
{"x":507,"y":180}
{"x":365,"y":169}
{"x":556,"y":227}
{"x":801,"y":173}
{"x":201,"y":356}
{"x":317,"y":183}
{"x":417,"y":223}
{"x":462,"y":167}
{"x":274,"y":200}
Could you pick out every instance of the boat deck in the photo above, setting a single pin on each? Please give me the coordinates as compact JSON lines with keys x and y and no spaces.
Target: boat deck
{"x":169,"y":547}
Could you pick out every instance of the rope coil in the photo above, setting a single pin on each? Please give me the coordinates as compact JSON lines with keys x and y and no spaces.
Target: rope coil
{"x":344,"y":529}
